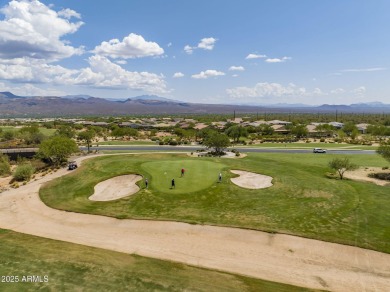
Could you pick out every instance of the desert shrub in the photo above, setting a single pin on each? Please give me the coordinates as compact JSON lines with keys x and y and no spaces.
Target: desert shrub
{"x":382,"y":176}
{"x":23,"y":172}
{"x":5,"y":167}
{"x":322,"y":140}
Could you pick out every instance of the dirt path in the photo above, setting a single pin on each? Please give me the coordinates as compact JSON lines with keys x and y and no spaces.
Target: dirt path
{"x":280,"y":258}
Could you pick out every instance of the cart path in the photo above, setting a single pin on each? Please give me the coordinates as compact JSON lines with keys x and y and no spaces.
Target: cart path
{"x":275,"y":257}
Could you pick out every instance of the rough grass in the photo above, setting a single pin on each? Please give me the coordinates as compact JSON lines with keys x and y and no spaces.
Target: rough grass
{"x":303,"y":200}
{"x":72,"y":267}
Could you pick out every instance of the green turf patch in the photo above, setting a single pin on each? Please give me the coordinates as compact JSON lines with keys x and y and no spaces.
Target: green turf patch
{"x":198,"y":175}
{"x":72,"y":267}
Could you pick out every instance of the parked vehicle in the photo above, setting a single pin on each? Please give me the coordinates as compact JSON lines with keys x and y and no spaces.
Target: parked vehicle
{"x":72,"y":165}
{"x":319,"y":150}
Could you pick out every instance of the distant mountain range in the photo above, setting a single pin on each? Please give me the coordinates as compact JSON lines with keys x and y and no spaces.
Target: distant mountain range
{"x":81,"y":105}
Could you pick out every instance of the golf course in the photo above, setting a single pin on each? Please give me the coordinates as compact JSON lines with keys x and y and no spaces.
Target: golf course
{"x":303,"y":201}
{"x":306,"y":230}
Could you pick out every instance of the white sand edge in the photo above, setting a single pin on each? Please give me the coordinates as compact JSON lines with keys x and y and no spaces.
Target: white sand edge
{"x":251,"y":180}
{"x":116,"y":188}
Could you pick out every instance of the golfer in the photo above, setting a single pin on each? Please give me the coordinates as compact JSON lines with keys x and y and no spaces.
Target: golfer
{"x":146,"y":183}
{"x":220,"y":177}
{"x":173,"y":184}
{"x":182,"y":171}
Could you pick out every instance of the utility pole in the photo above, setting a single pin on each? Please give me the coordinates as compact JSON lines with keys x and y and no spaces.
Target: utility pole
{"x":336,"y":115}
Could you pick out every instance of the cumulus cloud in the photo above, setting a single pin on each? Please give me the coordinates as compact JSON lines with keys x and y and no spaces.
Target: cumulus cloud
{"x":277,"y":60}
{"x":266,"y":89}
{"x":204,"y":44}
{"x":360,"y":91}
{"x":132,"y":46}
{"x":30,"y":90}
{"x":69,"y":13}
{"x":101,"y":73}
{"x":236,"y":68}
{"x":207,"y":43}
{"x":207,"y":74}
{"x":178,"y":75}
{"x":188,"y":49}
{"x":255,"y":56}
{"x":32,"y":29}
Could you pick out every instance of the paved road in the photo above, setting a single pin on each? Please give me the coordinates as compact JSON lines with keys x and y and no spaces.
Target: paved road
{"x":243,"y":150}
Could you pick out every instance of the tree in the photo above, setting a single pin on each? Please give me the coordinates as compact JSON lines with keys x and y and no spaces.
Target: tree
{"x":341,"y":165}
{"x":235,"y":132}
{"x":87,"y":136}
{"x":65,"y":131}
{"x":299,"y":131}
{"x":384,"y":151}
{"x":57,"y":149}
{"x":217,"y":141}
{"x":349,"y":127}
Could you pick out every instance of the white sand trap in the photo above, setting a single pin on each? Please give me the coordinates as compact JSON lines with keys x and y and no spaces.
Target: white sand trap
{"x":116,"y":188}
{"x":250,"y":180}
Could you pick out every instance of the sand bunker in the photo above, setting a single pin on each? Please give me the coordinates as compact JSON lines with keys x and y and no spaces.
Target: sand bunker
{"x":116,"y":188}
{"x":361,"y":174}
{"x":250,"y":180}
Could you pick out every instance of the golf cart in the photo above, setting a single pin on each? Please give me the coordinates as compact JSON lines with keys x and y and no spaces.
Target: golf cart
{"x":72,"y":165}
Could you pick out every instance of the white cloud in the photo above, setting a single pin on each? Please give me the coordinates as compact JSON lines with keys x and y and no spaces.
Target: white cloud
{"x":132,"y":46}
{"x":32,"y":29}
{"x":30,"y":90}
{"x":337,"y":91}
{"x":365,"y":69}
{"x":255,"y":56}
{"x":189,"y":50}
{"x":169,"y":45}
{"x":101,"y":73}
{"x":178,"y":75}
{"x":69,"y":13}
{"x":204,"y":44}
{"x":207,"y":74}
{"x":266,"y":89}
{"x":360,"y":91}
{"x":121,"y":62}
{"x":277,"y":60}
{"x":207,"y":43}
{"x":236,"y":68}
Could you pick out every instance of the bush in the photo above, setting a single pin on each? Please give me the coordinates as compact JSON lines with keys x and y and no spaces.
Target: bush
{"x":382,"y":176}
{"x":5,"y":167}
{"x":23,"y":172}
{"x":322,"y":140}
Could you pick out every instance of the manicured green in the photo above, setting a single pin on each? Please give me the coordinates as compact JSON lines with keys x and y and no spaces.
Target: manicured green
{"x":304,"y":201}
{"x":72,"y":267}
{"x":198,"y":175}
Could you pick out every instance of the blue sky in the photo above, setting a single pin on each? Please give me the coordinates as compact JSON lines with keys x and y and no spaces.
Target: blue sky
{"x":258,"y":52}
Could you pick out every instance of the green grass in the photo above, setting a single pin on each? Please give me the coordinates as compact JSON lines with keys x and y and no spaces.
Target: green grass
{"x":72,"y":267}
{"x":199,"y":175}
{"x":303,"y":200}
{"x":45,"y":131}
